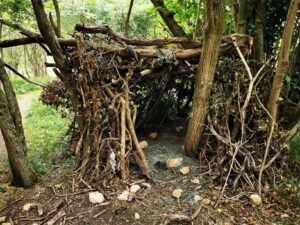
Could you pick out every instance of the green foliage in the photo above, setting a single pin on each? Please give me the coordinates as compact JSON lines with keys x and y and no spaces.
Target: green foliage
{"x":295,"y":150}
{"x":43,"y":129}
{"x":17,"y":11}
{"x":107,"y":12}
{"x":21,"y":86}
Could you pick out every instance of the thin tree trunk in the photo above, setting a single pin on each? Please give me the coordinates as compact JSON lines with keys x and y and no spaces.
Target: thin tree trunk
{"x":58,"y":18}
{"x":242,"y":17}
{"x":259,"y":32}
{"x":126,"y":24}
{"x":13,"y":133}
{"x":198,"y":25}
{"x":283,"y":58}
{"x":168,"y":18}
{"x":214,"y":19}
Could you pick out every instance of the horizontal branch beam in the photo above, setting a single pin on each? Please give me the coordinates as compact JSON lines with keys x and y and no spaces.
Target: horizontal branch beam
{"x":154,"y":42}
{"x":181,"y":54}
{"x":31,"y":40}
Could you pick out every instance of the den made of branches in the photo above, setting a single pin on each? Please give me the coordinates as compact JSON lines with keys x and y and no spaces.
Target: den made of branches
{"x":123,"y":85}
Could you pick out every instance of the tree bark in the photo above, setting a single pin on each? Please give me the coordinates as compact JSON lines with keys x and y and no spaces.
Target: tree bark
{"x":283,"y":59}
{"x":214,"y":19}
{"x":259,"y":32}
{"x":48,"y":34}
{"x":13,"y":133}
{"x":126,"y":24}
{"x":242,"y":17}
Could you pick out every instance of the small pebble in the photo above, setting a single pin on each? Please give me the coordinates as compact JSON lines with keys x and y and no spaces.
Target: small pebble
{"x":137,"y":216}
{"x":177,"y":193}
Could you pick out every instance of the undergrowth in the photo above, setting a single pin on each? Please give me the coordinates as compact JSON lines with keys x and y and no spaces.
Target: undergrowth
{"x":44,"y":129}
{"x":22,"y":87}
{"x":295,"y":150}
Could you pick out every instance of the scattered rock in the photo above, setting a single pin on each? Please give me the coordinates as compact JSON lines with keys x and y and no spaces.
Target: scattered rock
{"x":206,"y":201}
{"x":153,"y":135}
{"x":178,"y":129}
{"x":197,"y":198}
{"x":137,"y":216}
{"x":255,"y":199}
{"x":96,"y":197}
{"x":124,"y":196}
{"x":144,"y":144}
{"x":2,"y":219}
{"x":195,"y":181}
{"x":283,"y":216}
{"x":175,"y":162}
{"x":185,"y":170}
{"x":29,"y":206}
{"x":177,"y":193}
{"x":145,"y":185}
{"x":134,"y":188}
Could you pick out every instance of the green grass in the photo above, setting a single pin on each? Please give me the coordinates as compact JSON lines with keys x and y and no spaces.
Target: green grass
{"x":21,"y":86}
{"x":44,"y":128}
{"x":295,"y":150}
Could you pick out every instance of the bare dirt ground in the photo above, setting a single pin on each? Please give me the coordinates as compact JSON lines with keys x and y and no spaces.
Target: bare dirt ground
{"x":63,"y":198}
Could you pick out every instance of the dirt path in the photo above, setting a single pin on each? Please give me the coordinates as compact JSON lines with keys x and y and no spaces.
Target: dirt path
{"x":24,"y":104}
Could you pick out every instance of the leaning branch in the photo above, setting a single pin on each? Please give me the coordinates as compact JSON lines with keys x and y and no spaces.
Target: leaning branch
{"x":22,"y":76}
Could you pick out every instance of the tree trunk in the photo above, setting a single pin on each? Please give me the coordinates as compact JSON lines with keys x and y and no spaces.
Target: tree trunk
{"x":214,"y":19}
{"x":13,"y":133}
{"x":283,"y":58}
{"x":259,"y":32}
{"x":126,"y":24}
{"x":242,"y":17}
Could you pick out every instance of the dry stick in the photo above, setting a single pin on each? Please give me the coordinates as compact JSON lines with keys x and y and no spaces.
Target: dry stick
{"x":243,"y":110}
{"x":22,"y":76}
{"x":265,"y":156}
{"x":144,"y":164}
{"x":123,"y":138}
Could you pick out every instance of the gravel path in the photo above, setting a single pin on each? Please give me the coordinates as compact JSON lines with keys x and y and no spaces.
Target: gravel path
{"x":24,"y":104}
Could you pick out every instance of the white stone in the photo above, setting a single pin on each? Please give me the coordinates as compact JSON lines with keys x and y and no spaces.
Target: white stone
{"x":124,"y":196}
{"x":284,"y":216}
{"x":144,"y":144}
{"x":96,"y":197}
{"x":255,"y":199}
{"x":179,"y":129}
{"x":2,"y":219}
{"x":195,"y":181}
{"x":177,"y":193}
{"x":206,"y":201}
{"x":185,"y":170}
{"x":197,"y":198}
{"x":137,"y":216}
{"x":175,"y":162}
{"x":134,"y":188}
{"x":153,"y":135}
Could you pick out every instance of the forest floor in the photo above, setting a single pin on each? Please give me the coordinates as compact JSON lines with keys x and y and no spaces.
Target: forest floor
{"x":62,"y":199}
